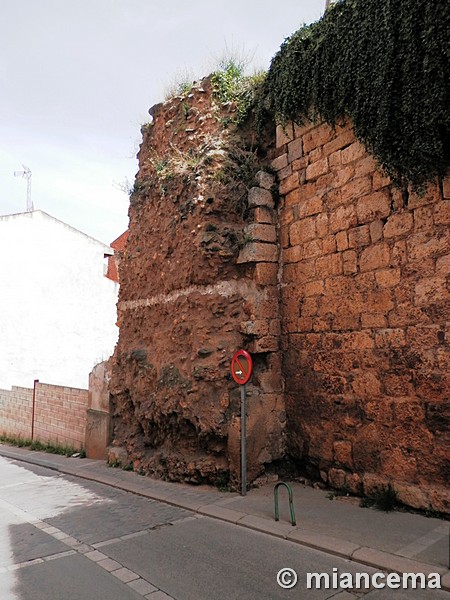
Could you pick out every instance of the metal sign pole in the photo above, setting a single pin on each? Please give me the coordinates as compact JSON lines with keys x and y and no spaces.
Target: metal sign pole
{"x":243,"y":442}
{"x":241,"y":371}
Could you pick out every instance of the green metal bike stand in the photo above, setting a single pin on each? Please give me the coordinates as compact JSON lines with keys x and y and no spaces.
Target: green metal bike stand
{"x":291,"y":502}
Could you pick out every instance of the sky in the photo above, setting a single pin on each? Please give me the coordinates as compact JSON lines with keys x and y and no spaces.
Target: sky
{"x":77,"y":78}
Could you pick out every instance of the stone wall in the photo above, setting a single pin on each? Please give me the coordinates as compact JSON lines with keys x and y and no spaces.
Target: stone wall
{"x":59,"y":417}
{"x":365,"y":318}
{"x":198,"y":281}
{"x":335,"y":280}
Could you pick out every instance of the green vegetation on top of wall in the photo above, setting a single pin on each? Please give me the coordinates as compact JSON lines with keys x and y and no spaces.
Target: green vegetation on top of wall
{"x":231,"y":85}
{"x":385,"y":65}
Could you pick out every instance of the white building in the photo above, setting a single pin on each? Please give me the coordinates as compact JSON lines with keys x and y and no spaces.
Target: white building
{"x":57,"y":309}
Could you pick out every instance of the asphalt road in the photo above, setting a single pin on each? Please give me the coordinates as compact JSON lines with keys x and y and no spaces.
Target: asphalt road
{"x":63,"y":538}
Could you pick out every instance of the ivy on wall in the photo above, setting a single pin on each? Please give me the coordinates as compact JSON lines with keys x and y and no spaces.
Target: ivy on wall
{"x":385,"y":65}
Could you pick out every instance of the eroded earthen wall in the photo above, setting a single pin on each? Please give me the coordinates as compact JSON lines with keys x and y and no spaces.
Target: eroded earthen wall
{"x":365,"y":319}
{"x":198,"y":281}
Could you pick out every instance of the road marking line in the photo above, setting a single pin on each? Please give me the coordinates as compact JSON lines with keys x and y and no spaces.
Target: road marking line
{"x":27,"y":563}
{"x":59,"y":555}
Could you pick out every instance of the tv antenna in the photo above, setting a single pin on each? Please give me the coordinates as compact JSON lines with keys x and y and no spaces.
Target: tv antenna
{"x":26,"y":174}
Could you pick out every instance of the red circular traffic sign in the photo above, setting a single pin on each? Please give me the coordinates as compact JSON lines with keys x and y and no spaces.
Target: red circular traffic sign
{"x":241,"y":366}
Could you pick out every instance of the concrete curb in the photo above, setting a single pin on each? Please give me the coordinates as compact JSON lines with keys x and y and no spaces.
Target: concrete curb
{"x":364,"y":555}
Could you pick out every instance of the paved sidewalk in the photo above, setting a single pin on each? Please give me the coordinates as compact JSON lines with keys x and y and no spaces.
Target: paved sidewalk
{"x":395,"y":541}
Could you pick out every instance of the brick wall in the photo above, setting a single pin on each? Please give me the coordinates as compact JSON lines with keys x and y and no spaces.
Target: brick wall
{"x":365,"y":310}
{"x":15,"y":412}
{"x":60,"y":414}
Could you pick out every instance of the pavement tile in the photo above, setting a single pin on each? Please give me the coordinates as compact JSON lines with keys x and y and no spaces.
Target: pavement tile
{"x":90,"y":463}
{"x":232,"y":498}
{"x":71,"y":470}
{"x":141,"y":586}
{"x":95,"y":555}
{"x":161,"y":495}
{"x":60,"y":536}
{"x":159,"y":595}
{"x":109,"y":564}
{"x":100,"y":477}
{"x":70,"y":541}
{"x":391,"y":562}
{"x":183,"y":502}
{"x":275,"y":528}
{"x":323,"y":542}
{"x":51,"y":530}
{"x":125,"y":574}
{"x":82,"y":548}
{"x":222,"y":513}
